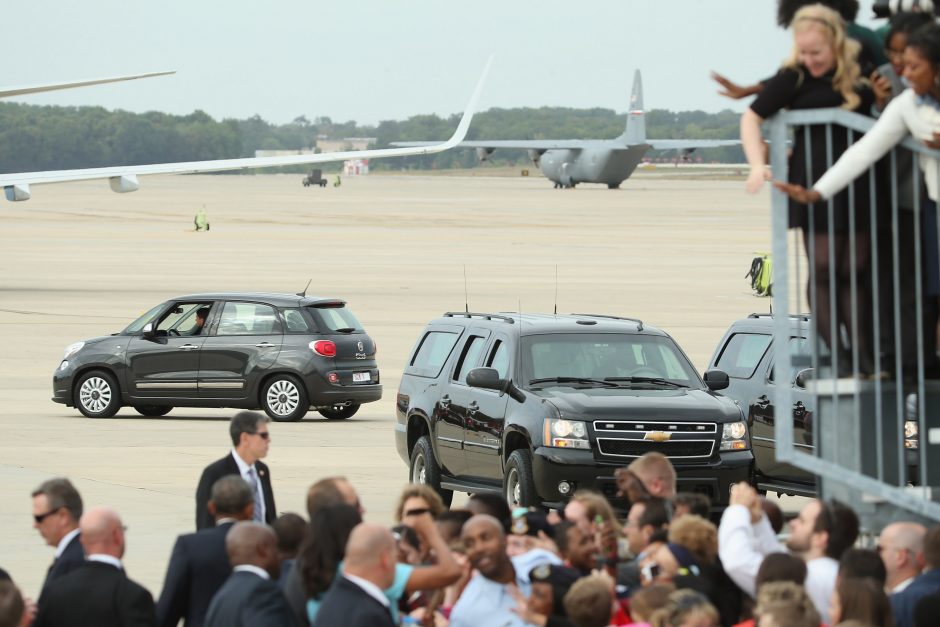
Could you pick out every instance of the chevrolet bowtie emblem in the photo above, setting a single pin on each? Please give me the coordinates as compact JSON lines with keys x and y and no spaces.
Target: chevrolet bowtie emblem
{"x":657,"y":436}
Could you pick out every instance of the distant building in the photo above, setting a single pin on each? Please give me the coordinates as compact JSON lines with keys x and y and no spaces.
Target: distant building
{"x":284,"y":153}
{"x":342,"y":145}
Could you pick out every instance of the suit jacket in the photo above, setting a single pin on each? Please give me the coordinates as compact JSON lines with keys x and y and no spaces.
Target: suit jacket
{"x":72,"y":557}
{"x":349,"y":605}
{"x":95,"y":594}
{"x":198,"y":568}
{"x":227,"y":466}
{"x":247,"y":600}
{"x":904,"y":602}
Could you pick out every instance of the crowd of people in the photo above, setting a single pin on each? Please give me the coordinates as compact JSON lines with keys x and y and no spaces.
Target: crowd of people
{"x":652,"y":556}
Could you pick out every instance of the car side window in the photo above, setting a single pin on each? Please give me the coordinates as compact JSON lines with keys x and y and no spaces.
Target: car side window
{"x":499,"y":358}
{"x":742,"y":353}
{"x":469,"y":358}
{"x":798,"y":346}
{"x":295,"y":321}
{"x":248,"y":319}
{"x":432,"y":353}
{"x":181,"y":318}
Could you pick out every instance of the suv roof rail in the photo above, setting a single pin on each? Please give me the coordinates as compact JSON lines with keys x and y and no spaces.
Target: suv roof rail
{"x":803,"y":317}
{"x":485,"y":316}
{"x":639,"y":323}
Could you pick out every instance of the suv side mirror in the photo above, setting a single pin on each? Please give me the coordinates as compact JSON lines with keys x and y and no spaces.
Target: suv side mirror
{"x":807,"y":374}
{"x":488,"y":379}
{"x":148,"y":331}
{"x":716,"y":380}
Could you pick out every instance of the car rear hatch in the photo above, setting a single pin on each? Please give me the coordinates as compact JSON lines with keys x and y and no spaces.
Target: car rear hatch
{"x":354,"y":360}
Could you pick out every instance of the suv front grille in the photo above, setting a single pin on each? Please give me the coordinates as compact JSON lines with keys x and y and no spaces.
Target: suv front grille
{"x":671,"y":448}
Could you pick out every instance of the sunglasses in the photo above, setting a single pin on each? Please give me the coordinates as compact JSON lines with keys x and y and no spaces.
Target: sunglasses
{"x":417,"y":511}
{"x":264,"y":435}
{"x":41,"y":517}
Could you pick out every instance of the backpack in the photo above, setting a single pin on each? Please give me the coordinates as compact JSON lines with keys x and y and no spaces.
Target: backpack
{"x":761,"y":275}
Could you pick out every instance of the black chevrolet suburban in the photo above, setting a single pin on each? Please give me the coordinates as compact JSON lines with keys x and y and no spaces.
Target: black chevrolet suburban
{"x":536,"y":406}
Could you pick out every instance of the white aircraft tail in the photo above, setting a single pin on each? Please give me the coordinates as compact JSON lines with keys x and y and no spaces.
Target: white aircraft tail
{"x":635,"y":132}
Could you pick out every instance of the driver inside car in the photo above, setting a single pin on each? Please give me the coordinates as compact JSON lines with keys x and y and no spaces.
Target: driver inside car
{"x":201,"y":316}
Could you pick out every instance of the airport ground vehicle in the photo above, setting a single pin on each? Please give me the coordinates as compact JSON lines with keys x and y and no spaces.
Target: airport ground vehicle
{"x":536,"y":406}
{"x":315,"y":178}
{"x":746,"y":353}
{"x":283,"y":353}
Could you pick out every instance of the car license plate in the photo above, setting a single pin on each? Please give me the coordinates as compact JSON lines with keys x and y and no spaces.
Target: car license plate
{"x":361,"y":377}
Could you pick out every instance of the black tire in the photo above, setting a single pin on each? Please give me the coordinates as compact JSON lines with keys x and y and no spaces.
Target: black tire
{"x":284,"y":398}
{"x":97,"y":394}
{"x":518,"y":482}
{"x":152,"y":410}
{"x":423,"y":469}
{"x":340,"y":413}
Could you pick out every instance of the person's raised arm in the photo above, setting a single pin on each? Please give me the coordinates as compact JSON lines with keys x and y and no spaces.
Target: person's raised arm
{"x":754,"y":149}
{"x":446,"y":571}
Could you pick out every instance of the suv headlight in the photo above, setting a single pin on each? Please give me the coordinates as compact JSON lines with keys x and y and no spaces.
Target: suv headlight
{"x":566,"y":434}
{"x":734,"y":437}
{"x":910,"y":433}
{"x":71,"y":349}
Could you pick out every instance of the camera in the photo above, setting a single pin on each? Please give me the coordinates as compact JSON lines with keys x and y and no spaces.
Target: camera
{"x":887,"y":8}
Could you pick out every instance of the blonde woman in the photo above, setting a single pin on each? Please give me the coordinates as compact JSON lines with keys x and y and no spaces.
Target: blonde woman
{"x":821,"y":72}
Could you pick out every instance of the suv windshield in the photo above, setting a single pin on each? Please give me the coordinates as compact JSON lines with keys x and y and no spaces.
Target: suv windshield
{"x":337,"y":319}
{"x":624,"y":359}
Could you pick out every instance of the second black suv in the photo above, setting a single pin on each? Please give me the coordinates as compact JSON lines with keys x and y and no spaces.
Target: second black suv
{"x":284,"y":353}
{"x":536,"y":406}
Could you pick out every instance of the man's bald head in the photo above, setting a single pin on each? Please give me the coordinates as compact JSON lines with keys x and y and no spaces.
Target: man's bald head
{"x":483,"y":520}
{"x":102,"y":532}
{"x":254,"y":544}
{"x":371,"y":554}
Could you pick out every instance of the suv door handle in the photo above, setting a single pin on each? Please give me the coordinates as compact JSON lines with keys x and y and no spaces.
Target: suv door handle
{"x":473,"y":407}
{"x":763,"y":402}
{"x":265,"y":345}
{"x":188,"y":347}
{"x":445,"y":401}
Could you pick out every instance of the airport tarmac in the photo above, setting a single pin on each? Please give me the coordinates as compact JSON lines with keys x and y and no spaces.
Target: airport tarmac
{"x":78,"y":261}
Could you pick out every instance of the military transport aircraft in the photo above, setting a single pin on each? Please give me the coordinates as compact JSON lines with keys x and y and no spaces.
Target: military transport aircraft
{"x":123,"y":179}
{"x":567,"y":162}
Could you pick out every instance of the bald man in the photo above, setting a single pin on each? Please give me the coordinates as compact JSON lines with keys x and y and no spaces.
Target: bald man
{"x":357,"y":600}
{"x":901,"y":546}
{"x":98,"y":592}
{"x":250,"y":596}
{"x":488,"y":599}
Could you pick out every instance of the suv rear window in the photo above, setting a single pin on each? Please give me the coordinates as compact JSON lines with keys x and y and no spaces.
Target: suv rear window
{"x":433,"y":352}
{"x":742,"y":353}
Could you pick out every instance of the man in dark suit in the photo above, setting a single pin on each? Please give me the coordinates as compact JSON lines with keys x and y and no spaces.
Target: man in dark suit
{"x":250,"y":596}
{"x":250,"y":439}
{"x":357,"y":600}
{"x":98,"y":592}
{"x":905,"y":602}
{"x":199,"y":564}
{"x":57,"y":508}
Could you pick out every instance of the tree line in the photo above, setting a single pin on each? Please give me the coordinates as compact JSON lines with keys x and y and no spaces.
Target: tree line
{"x":34,"y":137}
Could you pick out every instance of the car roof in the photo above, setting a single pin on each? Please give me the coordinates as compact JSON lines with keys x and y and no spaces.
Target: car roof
{"x":537,"y":323}
{"x":276,"y":299}
{"x":764,"y":323}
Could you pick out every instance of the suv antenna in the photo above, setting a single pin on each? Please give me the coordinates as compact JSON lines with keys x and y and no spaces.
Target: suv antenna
{"x":466,"y":293}
{"x":556,"y":289}
{"x":304,"y":293}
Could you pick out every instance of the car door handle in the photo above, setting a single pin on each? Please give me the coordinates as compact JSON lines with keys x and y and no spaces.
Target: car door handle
{"x":473,"y":407}
{"x":188,"y":347}
{"x":763,"y":402}
{"x":445,"y":401}
{"x":265,"y":345}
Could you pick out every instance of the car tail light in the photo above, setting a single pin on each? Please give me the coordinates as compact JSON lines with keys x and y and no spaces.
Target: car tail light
{"x":324,"y":348}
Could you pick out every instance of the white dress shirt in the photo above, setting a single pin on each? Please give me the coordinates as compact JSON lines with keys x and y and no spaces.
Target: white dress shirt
{"x":370,"y":588}
{"x":251,"y":568}
{"x":105,"y":559}
{"x":64,"y":542}
{"x":243,"y":468}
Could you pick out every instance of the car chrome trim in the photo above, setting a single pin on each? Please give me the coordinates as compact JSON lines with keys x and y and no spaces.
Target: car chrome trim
{"x":711,"y":447}
{"x":221,"y":385}
{"x":165,"y":385}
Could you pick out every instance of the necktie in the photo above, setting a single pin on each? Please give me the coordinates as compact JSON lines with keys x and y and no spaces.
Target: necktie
{"x":256,"y":490}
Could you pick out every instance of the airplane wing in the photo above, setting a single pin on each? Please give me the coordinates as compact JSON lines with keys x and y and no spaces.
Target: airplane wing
{"x":124,"y":178}
{"x":8,"y":92}
{"x":690,"y":144}
{"x":521,"y":144}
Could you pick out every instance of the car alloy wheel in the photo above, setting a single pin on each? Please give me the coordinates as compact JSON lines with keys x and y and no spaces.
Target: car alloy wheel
{"x":419,"y":470}
{"x":283,"y":397}
{"x":513,"y":489}
{"x":95,"y":394}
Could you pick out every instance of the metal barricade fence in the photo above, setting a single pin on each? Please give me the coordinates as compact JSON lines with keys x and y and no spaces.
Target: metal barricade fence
{"x":876,"y":424}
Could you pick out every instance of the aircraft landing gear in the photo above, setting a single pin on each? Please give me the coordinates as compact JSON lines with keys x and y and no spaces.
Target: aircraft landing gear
{"x":613,"y":186}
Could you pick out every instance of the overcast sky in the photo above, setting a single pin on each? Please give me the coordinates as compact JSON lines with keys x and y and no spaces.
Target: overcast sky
{"x":371,"y":60}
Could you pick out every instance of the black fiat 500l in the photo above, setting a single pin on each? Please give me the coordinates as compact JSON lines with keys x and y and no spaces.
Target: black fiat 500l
{"x":536,"y":406}
{"x":283,"y":353}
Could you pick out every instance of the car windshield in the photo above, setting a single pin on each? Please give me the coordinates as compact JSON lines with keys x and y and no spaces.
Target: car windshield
{"x":138,"y":325}
{"x":596,"y":360}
